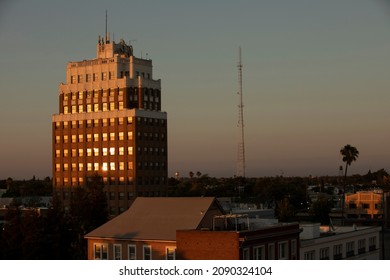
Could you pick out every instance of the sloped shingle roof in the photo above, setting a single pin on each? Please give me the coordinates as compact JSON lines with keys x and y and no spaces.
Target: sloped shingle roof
{"x":155,"y":218}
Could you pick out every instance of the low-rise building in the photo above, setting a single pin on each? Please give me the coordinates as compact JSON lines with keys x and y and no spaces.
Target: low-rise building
{"x":341,"y":242}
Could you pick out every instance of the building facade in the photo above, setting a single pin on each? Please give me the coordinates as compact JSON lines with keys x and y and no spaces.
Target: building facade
{"x":340,"y":243}
{"x":110,"y":124}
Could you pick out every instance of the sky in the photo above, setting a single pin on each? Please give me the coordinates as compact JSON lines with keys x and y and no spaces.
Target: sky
{"x":315,"y":78}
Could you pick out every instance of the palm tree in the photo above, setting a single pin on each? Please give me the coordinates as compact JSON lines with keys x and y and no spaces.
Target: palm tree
{"x":349,"y":154}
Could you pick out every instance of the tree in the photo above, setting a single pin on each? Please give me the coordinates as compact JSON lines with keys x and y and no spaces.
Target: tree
{"x":350,"y":154}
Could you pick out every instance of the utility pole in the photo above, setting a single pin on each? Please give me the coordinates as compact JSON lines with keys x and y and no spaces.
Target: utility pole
{"x":241,"y":145}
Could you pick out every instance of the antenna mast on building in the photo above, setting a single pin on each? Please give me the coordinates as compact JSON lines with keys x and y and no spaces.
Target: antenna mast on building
{"x":241,"y":144}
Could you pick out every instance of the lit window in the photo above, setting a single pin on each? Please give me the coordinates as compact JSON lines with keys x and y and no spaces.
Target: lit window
{"x":100,"y":251}
{"x":130,"y":135}
{"x":112,"y":165}
{"x":81,"y":152}
{"x":170,"y":253}
{"x":105,"y":151}
{"x":89,"y":123}
{"x":121,"y":135}
{"x":89,"y":137}
{"x":96,"y":137}
{"x":65,"y":152}
{"x":96,"y":123}
{"x":105,"y":107}
{"x":89,"y":152}
{"x":121,"y":151}
{"x":95,"y":151}
{"x":66,"y":167}
{"x":129,"y":120}
{"x":120,"y":121}
{"x":89,"y":166}
{"x":74,"y":181}
{"x":58,"y":167}
{"x":104,"y":166}
{"x":129,"y":150}
{"x":81,"y":180}
{"x":96,"y":166}
{"x":89,"y":108}
{"x":65,"y":138}
{"x":58,"y":139}
{"x":74,"y":153}
{"x":112,"y":151}
{"x":121,"y":165}
{"x":74,"y":109}
{"x":81,"y":138}
{"x":104,"y":136}
{"x":112,"y":106}
{"x":120,"y":105}
{"x":58,"y":153}
{"x":104,"y":122}
{"x":130,"y":165}
{"x":112,"y":136}
{"x":112,"y":121}
{"x":81,"y":167}
{"x":81,"y":109}
{"x":74,"y":138}
{"x":96,"y":107}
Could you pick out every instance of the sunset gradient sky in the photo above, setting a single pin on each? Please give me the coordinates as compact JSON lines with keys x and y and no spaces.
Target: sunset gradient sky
{"x":316,"y":76}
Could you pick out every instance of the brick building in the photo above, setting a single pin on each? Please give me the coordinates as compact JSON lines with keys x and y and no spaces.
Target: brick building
{"x":189,"y":228}
{"x":110,"y":123}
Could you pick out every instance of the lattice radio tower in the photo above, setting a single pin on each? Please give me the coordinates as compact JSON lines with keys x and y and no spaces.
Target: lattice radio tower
{"x":241,"y":145}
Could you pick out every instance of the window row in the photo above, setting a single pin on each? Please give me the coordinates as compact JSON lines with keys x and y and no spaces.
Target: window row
{"x":79,"y":181}
{"x":94,"y":152}
{"x":283,"y":251}
{"x":101,"y":252}
{"x":338,"y":253}
{"x":93,"y":123}
{"x":92,"y":77}
{"x":93,"y":107}
{"x":95,"y":137}
{"x":94,"y":166}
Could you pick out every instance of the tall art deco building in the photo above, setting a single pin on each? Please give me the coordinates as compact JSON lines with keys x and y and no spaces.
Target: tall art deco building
{"x":110,"y":124}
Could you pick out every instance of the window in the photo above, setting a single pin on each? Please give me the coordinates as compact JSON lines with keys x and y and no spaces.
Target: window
{"x":81,"y":138}
{"x":130,"y":135}
{"x":104,"y":76}
{"x":324,"y":253}
{"x":132,"y":252}
{"x":104,"y":166}
{"x":309,"y":255}
{"x":372,"y":243}
{"x":121,"y":166}
{"x":271,"y":251}
{"x":65,"y":138}
{"x":121,"y":151}
{"x":105,"y":151}
{"x":96,"y":166}
{"x":283,"y":251}
{"x":58,"y":139}
{"x":88,"y":78}
{"x":350,"y":249}
{"x":366,"y":206}
{"x":58,"y":153}
{"x":89,"y":108}
{"x":100,"y":251}
{"x":80,"y":78}
{"x":94,"y":77}
{"x":65,"y":152}
{"x":117,"y":252}
{"x":259,"y":253}
{"x":81,"y":166}
{"x":112,"y":165}
{"x":105,"y":107}
{"x":112,"y":151}
{"x":245,"y":253}
{"x":293,"y":249}
{"x":338,"y":252}
{"x":89,"y":152}
{"x":96,"y":137}
{"x":121,"y":195}
{"x":89,"y":137}
{"x":112,"y":106}
{"x":129,"y":165}
{"x":96,"y":107}
{"x":121,"y":135}
{"x":58,"y":167}
{"x":147,"y":252}
{"x":361,"y":246}
{"x":170,"y":253}
{"x":74,"y":153}
{"x":130,"y":150}
{"x":89,"y":166}
{"x":112,"y":136}
{"x":104,"y":122}
{"x":81,"y":152}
